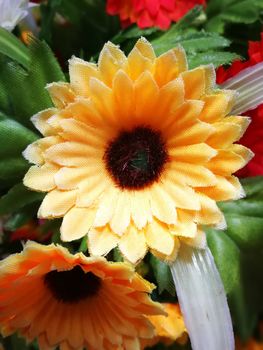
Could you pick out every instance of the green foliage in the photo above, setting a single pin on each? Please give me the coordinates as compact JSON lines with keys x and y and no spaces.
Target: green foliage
{"x":201,"y":47}
{"x":238,"y":253}
{"x":82,"y":29}
{"x":25,"y":89}
{"x":162,"y":275}
{"x":14,"y":139}
{"x":17,"y":198}
{"x":13,"y":48}
{"x":222,"y":12}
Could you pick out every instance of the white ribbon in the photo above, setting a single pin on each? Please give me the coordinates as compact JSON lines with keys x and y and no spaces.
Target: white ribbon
{"x":202,"y":300}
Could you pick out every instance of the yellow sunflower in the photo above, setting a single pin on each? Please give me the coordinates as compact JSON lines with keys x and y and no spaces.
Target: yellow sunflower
{"x":136,"y":152}
{"x":74,"y":301}
{"x":168,"y":329}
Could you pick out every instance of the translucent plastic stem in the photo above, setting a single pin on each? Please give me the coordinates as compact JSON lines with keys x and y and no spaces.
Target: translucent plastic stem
{"x":249,"y":85}
{"x":202,"y":300}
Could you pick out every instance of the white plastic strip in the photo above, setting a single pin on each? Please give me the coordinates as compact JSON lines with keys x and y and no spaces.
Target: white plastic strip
{"x":202,"y":300}
{"x":249,"y":85}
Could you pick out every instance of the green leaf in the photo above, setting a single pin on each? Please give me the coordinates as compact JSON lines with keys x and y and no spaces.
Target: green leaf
{"x":238,"y":253}
{"x":221,"y":12}
{"x":13,"y":168}
{"x":217,"y":58}
{"x":17,"y":197}
{"x":227,"y":257}
{"x":13,"y":48}
{"x":192,"y":42}
{"x":163,"y":275}
{"x":26,"y":88}
{"x":14,"y":139}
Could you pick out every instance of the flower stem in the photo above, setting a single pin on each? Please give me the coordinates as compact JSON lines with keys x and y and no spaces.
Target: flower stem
{"x":202,"y":300}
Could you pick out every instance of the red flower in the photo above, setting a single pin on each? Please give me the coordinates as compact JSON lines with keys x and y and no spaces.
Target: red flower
{"x":150,"y":13}
{"x":30,"y":231}
{"x":253,"y":137}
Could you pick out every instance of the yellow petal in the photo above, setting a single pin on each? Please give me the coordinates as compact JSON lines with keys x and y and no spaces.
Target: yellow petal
{"x":124,"y":101}
{"x":167,"y":68}
{"x":41,"y":178}
{"x":101,"y":240}
{"x":171,"y":97}
{"x":182,"y":118}
{"x":145,"y":48}
{"x":61,"y":94}
{"x":162,"y":206}
{"x":105,"y":105}
{"x":224,"y":135}
{"x":40,"y":121}
{"x":122,"y":214}
{"x":226,"y":188}
{"x":217,"y":105}
{"x":33,"y":154}
{"x":70,"y":178}
{"x":197,"y":133}
{"x":80,"y":73}
{"x":159,"y":238}
{"x":199,"y":241}
{"x":192,"y":174}
{"x":146,"y":95}
{"x":133,"y":245}
{"x":198,"y":81}
{"x":74,"y":130}
{"x":138,"y":63}
{"x":227,"y":162}
{"x":106,"y":206}
{"x":183,"y":196}
{"x":243,"y":152}
{"x":111,"y":59}
{"x":209,"y":214}
{"x":196,"y":153}
{"x":140,"y":208}
{"x":72,"y":154}
{"x":185,"y":226}
{"x":76,"y":223}
{"x":56,"y":203}
{"x":91,"y":189}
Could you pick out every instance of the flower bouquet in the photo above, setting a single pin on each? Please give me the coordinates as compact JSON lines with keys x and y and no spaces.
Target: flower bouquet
{"x":131,"y":163}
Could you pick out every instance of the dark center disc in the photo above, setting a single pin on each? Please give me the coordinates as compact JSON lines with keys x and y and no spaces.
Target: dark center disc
{"x":73,"y":285}
{"x":135,"y":159}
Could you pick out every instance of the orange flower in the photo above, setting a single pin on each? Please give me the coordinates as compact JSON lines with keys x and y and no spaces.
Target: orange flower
{"x":74,"y":301}
{"x":136,"y":152}
{"x":168,"y":328}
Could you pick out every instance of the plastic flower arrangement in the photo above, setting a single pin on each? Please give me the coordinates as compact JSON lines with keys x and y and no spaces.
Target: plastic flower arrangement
{"x":125,"y":224}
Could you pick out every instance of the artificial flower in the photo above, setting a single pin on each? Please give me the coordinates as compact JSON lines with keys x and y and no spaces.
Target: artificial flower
{"x":12,"y":12}
{"x":253,"y":138}
{"x":74,"y":301}
{"x":136,"y":152}
{"x":149,"y":13}
{"x":169,"y":328}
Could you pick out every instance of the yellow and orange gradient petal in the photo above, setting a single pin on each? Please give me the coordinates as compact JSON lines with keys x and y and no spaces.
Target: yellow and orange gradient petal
{"x":168,"y":329}
{"x":73,"y":301}
{"x":136,"y":152}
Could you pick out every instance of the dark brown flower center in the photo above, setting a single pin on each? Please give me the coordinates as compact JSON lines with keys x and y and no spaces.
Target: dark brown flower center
{"x":136,"y":158}
{"x":73,"y":285}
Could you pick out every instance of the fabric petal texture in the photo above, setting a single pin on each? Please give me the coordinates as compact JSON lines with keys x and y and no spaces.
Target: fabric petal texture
{"x":141,"y":170}
{"x":73,"y":301}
